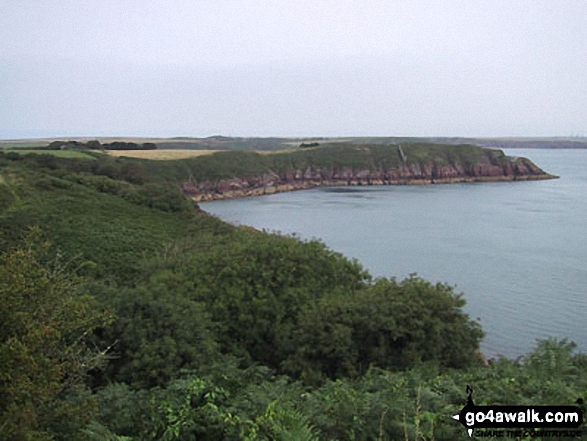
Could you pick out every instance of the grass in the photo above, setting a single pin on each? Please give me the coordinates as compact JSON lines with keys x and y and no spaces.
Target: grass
{"x":58,"y":153}
{"x":161,"y":155}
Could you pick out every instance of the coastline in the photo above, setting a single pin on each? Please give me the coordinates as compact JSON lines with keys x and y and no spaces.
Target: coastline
{"x":196,"y":195}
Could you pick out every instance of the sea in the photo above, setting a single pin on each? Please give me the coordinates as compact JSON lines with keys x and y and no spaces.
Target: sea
{"x":516,"y":250}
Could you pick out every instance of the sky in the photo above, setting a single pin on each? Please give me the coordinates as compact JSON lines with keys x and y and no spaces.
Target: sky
{"x":478,"y":68}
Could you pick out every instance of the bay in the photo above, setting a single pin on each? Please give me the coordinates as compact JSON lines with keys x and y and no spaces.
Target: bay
{"x":517,"y":250}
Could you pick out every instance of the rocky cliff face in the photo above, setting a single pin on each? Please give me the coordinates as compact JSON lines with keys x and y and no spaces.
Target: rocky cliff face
{"x":424,"y":173}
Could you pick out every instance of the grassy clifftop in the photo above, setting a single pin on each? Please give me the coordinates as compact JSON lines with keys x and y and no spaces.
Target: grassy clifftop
{"x":239,"y":164}
{"x":236,"y":173}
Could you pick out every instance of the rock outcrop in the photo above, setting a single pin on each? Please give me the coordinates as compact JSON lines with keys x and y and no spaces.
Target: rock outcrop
{"x":414,"y":173}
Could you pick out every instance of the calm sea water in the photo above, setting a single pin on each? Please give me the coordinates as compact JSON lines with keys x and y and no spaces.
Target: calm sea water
{"x":517,"y":250}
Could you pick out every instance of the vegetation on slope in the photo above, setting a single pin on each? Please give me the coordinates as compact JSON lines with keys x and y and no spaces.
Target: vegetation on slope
{"x":147,"y":319}
{"x":238,"y":164}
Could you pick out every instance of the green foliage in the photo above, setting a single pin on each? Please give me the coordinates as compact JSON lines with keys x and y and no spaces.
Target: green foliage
{"x":57,"y":153}
{"x":186,"y":409}
{"x":96,"y":145}
{"x":224,"y":332}
{"x":389,"y":324}
{"x":158,"y":332}
{"x":112,"y":223}
{"x":65,"y":164}
{"x":551,"y":374}
{"x":252,"y":404}
{"x":256,"y":287}
{"x":220,"y":165}
{"x":160,"y":196}
{"x":45,"y":323}
{"x":282,"y":423}
{"x":6,"y":195}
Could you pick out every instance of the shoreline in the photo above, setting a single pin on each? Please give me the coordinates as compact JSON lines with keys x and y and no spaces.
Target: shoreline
{"x":305,"y":185}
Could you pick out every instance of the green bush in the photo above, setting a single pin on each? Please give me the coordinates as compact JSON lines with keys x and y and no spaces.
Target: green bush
{"x":158,"y":332}
{"x":389,"y":324}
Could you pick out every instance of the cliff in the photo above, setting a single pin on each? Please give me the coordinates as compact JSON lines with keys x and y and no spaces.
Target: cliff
{"x":353,"y":165}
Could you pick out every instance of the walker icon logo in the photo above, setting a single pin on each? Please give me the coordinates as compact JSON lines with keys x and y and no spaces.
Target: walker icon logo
{"x":521,"y":417}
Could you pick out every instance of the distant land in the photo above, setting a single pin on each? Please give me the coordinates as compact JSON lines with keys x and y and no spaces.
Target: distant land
{"x":220,"y":142}
{"x":234,"y":174}
{"x":241,"y":167}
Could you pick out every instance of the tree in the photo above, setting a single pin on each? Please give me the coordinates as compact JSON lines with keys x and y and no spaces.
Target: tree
{"x":46,"y":321}
{"x":158,"y":332}
{"x":94,"y":145}
{"x":388,"y":324}
{"x":256,"y":288}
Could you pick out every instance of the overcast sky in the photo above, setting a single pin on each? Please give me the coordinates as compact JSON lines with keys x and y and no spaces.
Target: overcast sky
{"x":293,"y":68}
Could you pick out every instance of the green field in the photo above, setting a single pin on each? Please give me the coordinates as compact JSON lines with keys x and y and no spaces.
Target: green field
{"x":58,"y":153}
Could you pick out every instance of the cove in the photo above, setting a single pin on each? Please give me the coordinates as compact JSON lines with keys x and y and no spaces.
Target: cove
{"x":517,"y":250}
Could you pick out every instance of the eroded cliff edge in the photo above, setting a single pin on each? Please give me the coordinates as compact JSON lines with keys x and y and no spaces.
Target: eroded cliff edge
{"x":356,"y":165}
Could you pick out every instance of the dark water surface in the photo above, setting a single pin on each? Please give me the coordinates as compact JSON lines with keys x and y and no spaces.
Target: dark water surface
{"x":518,"y":250}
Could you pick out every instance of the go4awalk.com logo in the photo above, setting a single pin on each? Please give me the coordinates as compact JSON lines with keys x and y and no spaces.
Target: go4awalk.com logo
{"x":543,"y":421}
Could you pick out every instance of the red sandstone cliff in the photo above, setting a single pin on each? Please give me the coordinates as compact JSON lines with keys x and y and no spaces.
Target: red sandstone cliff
{"x":426,"y":173}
